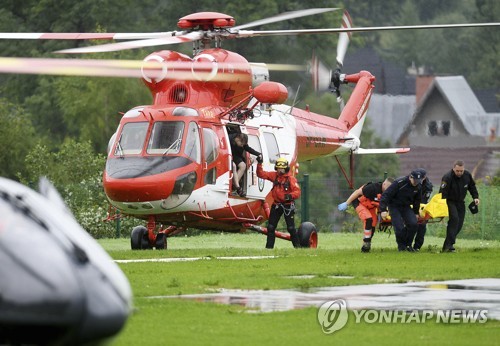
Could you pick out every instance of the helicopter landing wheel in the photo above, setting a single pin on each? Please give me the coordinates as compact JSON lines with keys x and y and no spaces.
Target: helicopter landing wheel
{"x":138,"y":238}
{"x":308,"y":236}
{"x":161,"y":241}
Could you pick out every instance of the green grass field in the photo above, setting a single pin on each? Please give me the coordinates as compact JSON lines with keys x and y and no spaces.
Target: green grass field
{"x":185,"y":322}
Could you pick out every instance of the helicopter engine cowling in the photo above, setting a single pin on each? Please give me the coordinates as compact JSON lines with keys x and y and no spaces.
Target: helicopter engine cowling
{"x":156,"y":79}
{"x":214,"y":76}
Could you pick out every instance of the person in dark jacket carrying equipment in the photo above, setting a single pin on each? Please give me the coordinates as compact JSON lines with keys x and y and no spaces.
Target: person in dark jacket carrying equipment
{"x":454,"y":187}
{"x":285,"y":191}
{"x":422,"y":227}
{"x":402,"y":199}
{"x":366,"y":201}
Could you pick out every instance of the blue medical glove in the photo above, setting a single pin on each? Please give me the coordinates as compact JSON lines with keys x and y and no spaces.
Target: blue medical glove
{"x":343,"y":206}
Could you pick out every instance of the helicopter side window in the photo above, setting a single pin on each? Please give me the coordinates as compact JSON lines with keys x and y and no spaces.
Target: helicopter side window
{"x":193,"y":144}
{"x":132,"y":138}
{"x":166,"y":137}
{"x":272,"y":147}
{"x":211,"y":145}
{"x":253,"y":142}
{"x":210,"y":153}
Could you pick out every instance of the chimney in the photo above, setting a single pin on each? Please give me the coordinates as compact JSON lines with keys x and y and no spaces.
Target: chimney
{"x":422,"y":84}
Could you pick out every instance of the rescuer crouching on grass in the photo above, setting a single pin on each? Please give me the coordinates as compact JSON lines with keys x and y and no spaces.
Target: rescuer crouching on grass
{"x":285,"y":191}
{"x":402,"y":199}
{"x":366,"y":201}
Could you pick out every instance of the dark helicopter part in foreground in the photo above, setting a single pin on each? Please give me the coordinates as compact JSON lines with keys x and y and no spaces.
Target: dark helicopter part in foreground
{"x":57,"y":286}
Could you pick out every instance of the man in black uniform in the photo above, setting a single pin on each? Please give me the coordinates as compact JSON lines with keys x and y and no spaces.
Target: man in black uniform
{"x":426,"y":194}
{"x":422,"y":227}
{"x":454,"y":187}
{"x":402,"y":199}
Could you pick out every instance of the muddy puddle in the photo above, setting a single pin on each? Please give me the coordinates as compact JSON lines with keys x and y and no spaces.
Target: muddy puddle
{"x":472,"y":294}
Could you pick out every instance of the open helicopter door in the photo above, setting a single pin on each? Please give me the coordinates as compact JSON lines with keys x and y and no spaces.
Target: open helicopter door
{"x":231,"y":129}
{"x":248,"y":181}
{"x":215,"y":161}
{"x":252,"y":186}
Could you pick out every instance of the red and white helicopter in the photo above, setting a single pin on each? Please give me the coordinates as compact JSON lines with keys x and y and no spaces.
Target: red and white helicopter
{"x":170,"y":163}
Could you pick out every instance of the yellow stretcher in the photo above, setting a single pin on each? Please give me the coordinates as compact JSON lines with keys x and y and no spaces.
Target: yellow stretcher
{"x":434,"y":211}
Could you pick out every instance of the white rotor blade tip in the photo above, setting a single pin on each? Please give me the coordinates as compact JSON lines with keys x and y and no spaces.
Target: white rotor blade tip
{"x":344,"y":37}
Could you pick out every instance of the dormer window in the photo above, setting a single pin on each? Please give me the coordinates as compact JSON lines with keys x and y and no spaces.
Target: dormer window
{"x":445,"y":126}
{"x":432,"y":128}
{"x":438,"y":128}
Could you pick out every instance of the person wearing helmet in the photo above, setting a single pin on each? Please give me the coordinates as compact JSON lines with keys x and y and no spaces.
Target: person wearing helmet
{"x":284,"y":192}
{"x":366,"y":200}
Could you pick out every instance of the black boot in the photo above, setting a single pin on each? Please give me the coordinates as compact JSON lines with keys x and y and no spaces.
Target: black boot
{"x":294,"y":237}
{"x":367,"y":244}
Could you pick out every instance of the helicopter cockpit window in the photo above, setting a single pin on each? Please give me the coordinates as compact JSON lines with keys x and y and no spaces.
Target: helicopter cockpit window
{"x":185,"y":112}
{"x":211,"y":145}
{"x":166,"y":137}
{"x":193,"y":145}
{"x":132,"y":139}
{"x":272,"y":147}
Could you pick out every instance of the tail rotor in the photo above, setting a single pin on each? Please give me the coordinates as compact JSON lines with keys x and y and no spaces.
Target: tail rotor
{"x":325,"y":79}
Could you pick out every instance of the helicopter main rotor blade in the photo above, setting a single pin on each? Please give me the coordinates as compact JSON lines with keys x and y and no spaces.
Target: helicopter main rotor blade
{"x":73,"y":67}
{"x":114,"y":68}
{"x":129,"y":68}
{"x":283,"y":67}
{"x":81,"y":36}
{"x":252,"y":33}
{"x":286,"y":16}
{"x":183,"y":37}
{"x":112,"y":47}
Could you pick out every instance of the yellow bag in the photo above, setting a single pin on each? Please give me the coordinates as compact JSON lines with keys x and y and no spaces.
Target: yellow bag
{"x":436,"y":207}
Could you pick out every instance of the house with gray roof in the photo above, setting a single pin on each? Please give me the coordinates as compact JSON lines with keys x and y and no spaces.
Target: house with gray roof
{"x":450,"y":123}
{"x":440,"y":118}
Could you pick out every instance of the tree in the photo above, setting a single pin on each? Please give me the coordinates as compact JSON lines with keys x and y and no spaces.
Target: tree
{"x":91,"y":106}
{"x":471,"y":52}
{"x":76,"y":172}
{"x":16,"y":138}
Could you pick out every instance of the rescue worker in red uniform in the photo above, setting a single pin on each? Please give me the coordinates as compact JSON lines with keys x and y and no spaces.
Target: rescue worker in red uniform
{"x":366,"y":201}
{"x":284,"y":192}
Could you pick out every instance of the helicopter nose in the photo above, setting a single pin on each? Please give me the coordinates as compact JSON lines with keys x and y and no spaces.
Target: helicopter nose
{"x":140,"y":189}
{"x":171,"y":190}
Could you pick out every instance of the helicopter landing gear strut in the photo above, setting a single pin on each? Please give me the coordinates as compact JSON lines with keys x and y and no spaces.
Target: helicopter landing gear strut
{"x":142,"y":238}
